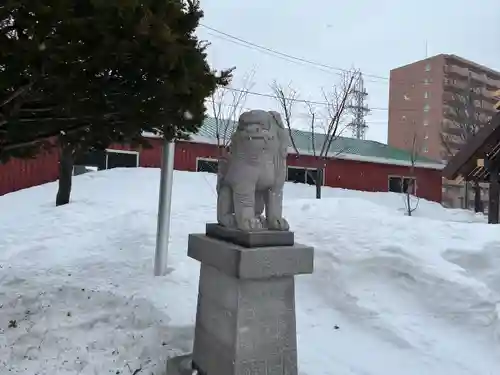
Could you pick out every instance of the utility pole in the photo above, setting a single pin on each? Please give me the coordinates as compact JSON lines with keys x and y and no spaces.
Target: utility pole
{"x":358,"y":125}
{"x":164,"y":208}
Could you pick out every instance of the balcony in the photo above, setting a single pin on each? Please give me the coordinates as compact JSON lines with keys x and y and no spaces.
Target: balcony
{"x":463,"y":73}
{"x":452,"y":129}
{"x":454,"y":69}
{"x":456,"y":84}
{"x":490,"y":95}
{"x":494,"y":83}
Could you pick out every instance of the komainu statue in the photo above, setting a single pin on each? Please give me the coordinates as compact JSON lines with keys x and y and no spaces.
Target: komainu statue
{"x":253,"y":174}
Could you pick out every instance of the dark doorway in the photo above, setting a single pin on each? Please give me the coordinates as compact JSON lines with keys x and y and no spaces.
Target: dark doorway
{"x":303,"y":175}
{"x":409,"y":185}
{"x":395,"y":184}
{"x":117,"y":159}
{"x":312,"y":176}
{"x":207,"y":165}
{"x":82,"y":169}
{"x":297,"y":175}
{"x":95,"y":158}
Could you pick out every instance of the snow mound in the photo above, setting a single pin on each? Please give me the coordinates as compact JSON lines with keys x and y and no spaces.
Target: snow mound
{"x":389,"y":292}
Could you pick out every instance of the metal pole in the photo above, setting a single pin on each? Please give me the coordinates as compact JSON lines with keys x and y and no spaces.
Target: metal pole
{"x":164,"y":207}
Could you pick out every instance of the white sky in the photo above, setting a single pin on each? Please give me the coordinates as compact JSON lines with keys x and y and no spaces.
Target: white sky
{"x":373,"y":36}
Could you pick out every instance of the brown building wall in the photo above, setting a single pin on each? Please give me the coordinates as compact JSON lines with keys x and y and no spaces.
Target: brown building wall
{"x":437,"y":82}
{"x":446,"y":84}
{"x":416,"y":106}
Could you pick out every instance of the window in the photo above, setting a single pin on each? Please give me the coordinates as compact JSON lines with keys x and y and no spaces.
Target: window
{"x":425,"y":149}
{"x":426,"y":95}
{"x":426,"y":81}
{"x":426,"y":122}
{"x":303,"y":175}
{"x":207,"y":165}
{"x":81,"y":169}
{"x":409,"y":185}
{"x":426,"y":136}
{"x":121,"y":159}
{"x":427,"y":67}
{"x":106,"y":159}
{"x":395,"y":184}
{"x":93,"y":158}
{"x":427,"y":107}
{"x":398,"y":184}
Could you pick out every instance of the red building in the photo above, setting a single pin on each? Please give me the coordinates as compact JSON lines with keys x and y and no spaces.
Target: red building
{"x":358,"y":164}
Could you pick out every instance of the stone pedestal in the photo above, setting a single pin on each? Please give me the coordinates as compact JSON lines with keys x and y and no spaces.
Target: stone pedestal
{"x":245,"y":321}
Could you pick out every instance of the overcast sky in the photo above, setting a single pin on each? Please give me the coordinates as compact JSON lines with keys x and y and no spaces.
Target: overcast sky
{"x":373,"y":36}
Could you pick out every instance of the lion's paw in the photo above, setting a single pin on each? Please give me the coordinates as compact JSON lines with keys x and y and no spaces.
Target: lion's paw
{"x":228,"y":221}
{"x":263,"y":221}
{"x":251,"y":224}
{"x":278,"y":224}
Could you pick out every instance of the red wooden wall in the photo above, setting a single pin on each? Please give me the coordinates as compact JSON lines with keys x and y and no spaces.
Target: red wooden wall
{"x":348,"y":174}
{"x":20,"y":174}
{"x":365,"y":176}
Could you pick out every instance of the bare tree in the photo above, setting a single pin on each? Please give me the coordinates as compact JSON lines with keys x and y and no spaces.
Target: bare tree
{"x":227,"y":105}
{"x":409,"y":184}
{"x":466,"y":123}
{"x":334,"y":124}
{"x":287,"y":99}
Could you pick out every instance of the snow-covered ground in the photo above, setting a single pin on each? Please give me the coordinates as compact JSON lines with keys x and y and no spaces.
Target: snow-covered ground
{"x":391,"y":295}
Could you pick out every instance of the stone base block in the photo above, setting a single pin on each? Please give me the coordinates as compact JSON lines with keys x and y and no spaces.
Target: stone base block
{"x":181,"y":365}
{"x":245,"y":326}
{"x":245,"y":319}
{"x":251,"y":263}
{"x":262,"y":238}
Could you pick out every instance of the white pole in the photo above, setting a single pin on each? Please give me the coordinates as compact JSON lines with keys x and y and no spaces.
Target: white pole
{"x":164,"y":208}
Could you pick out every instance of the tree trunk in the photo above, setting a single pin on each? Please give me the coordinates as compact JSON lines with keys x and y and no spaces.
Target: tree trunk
{"x":466,"y":196}
{"x":65,"y":174}
{"x":493,"y":209}
{"x":478,"y":203}
{"x":408,"y":202}
{"x":319,"y":182}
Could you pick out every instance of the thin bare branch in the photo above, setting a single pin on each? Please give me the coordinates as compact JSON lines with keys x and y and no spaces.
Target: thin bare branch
{"x":312,"y":114}
{"x":414,"y":153}
{"x":337,"y":100}
{"x":286,"y":99}
{"x":227,"y":106}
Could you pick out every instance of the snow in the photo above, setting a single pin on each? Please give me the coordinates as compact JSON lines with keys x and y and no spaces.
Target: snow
{"x":390,"y":294}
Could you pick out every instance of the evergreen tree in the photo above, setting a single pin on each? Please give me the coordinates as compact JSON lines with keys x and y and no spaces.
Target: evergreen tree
{"x":87,"y":73}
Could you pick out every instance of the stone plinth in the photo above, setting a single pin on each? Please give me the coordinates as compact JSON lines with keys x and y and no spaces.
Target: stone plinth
{"x":263,"y":238}
{"x":180,"y":365}
{"x":245,"y":321}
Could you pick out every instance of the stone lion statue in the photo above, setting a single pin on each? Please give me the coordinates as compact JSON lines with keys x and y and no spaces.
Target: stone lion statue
{"x":253,"y":174}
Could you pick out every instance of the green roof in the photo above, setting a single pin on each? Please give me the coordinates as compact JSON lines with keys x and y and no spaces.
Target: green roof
{"x":340,"y":146}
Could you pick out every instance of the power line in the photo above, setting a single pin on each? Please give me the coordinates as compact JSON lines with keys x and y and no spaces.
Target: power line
{"x":286,"y":55}
{"x":306,"y":101}
{"x":275,"y":55}
{"x":302,"y":115}
{"x":270,"y":51}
